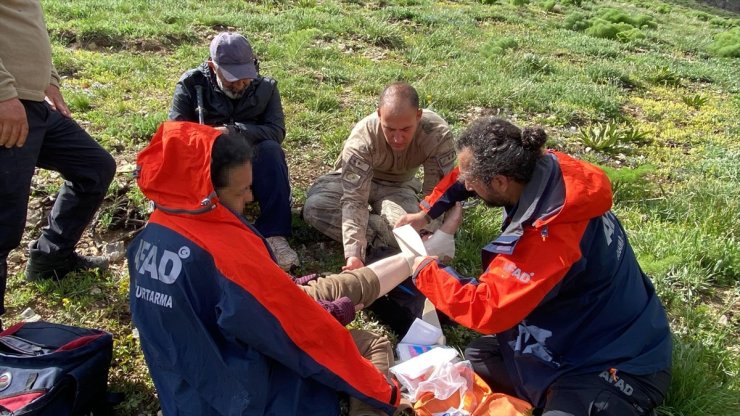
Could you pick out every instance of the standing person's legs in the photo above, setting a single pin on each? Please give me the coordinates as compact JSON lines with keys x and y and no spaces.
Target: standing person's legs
{"x":606,"y":394}
{"x":485,"y":356}
{"x":271,"y":187}
{"x":87,"y":170}
{"x":17,"y":165}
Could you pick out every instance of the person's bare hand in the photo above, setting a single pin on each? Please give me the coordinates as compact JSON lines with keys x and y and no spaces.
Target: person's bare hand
{"x":56,"y":101}
{"x":417,"y":220}
{"x":359,"y":307}
{"x":353,"y":263}
{"x":13,"y":123}
{"x":453,"y":219}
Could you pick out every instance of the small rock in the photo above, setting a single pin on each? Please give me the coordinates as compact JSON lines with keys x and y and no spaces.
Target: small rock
{"x":29,"y":315}
{"x":114,"y":251}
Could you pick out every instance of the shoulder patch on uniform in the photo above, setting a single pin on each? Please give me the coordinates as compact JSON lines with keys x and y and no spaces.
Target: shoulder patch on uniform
{"x":355,"y":171}
{"x":446,"y":160}
{"x":356,"y":162}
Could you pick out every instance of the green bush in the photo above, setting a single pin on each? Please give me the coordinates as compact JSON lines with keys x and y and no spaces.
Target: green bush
{"x":630,"y":35}
{"x":577,"y":21}
{"x":606,"y":75}
{"x":496,"y":47}
{"x":611,"y":24}
{"x":727,"y":44}
{"x":577,"y":3}
{"x":549,"y":5}
{"x":519,"y":2}
{"x":607,"y":30}
{"x":721,"y":22}
{"x":619,"y":16}
{"x":703,"y":16}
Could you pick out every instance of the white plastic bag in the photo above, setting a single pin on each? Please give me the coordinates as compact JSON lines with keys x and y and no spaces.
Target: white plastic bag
{"x":422,"y":368}
{"x":447,"y":379}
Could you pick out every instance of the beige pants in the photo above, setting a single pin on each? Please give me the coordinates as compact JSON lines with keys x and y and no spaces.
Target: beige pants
{"x":388,"y":202}
{"x":362,"y":287}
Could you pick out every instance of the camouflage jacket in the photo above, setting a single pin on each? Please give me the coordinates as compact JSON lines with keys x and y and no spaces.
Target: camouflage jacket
{"x":367,"y":157}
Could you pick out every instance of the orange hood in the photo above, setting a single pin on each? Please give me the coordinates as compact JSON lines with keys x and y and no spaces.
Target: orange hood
{"x":174,"y":170}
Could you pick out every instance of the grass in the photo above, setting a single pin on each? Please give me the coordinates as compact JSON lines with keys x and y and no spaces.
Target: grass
{"x":669,"y":86}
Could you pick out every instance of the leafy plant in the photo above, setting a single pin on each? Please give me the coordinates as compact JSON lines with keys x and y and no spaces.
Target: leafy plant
{"x":610,"y":138}
{"x":696,"y":100}
{"x":519,"y":2}
{"x":665,"y":76}
{"x":600,"y":136}
{"x":633,"y":135}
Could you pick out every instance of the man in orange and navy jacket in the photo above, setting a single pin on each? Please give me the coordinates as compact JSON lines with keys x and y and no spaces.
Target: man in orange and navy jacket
{"x":224,"y":330}
{"x":578,"y":327}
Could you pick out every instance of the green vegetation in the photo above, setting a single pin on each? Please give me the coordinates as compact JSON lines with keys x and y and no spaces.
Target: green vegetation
{"x":727,"y":44}
{"x":647,"y":89}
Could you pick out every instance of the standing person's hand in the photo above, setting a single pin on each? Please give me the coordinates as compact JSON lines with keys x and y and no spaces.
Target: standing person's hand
{"x":13,"y":123}
{"x":352,"y":264}
{"x":417,"y":220}
{"x":56,"y":101}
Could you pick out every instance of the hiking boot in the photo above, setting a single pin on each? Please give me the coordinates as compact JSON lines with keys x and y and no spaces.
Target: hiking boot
{"x":41,"y":266}
{"x":286,"y":257}
{"x":383,"y":231}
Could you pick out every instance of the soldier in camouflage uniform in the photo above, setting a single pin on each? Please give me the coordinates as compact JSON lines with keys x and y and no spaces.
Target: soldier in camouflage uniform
{"x":377,"y":168}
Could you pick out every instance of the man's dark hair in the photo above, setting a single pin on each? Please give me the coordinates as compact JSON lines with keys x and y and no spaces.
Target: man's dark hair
{"x":399,"y":91}
{"x":501,"y":148}
{"x":229,"y":151}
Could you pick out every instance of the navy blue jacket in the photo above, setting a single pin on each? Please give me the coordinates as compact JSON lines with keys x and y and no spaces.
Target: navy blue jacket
{"x":224,"y":330}
{"x":561,"y":286}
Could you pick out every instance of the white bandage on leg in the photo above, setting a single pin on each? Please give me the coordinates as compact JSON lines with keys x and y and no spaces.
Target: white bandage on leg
{"x":441,"y":244}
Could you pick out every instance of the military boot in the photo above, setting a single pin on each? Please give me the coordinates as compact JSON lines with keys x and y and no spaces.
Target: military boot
{"x":41,"y":266}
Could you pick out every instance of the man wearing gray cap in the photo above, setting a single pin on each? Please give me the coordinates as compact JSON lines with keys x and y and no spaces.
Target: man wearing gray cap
{"x":227,"y":92}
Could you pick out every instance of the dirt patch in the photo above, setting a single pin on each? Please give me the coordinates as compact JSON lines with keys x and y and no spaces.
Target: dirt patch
{"x":97,"y":41}
{"x":729,"y":5}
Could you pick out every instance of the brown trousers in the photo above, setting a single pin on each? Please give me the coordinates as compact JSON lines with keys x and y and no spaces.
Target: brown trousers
{"x":362,"y":287}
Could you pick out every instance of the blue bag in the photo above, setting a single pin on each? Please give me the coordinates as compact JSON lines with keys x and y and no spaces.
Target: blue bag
{"x":53,"y":369}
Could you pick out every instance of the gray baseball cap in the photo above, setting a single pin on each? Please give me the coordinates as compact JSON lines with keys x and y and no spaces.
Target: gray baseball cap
{"x":232,"y":54}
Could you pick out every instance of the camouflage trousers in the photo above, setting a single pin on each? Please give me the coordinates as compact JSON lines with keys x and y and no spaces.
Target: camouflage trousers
{"x":388,"y":202}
